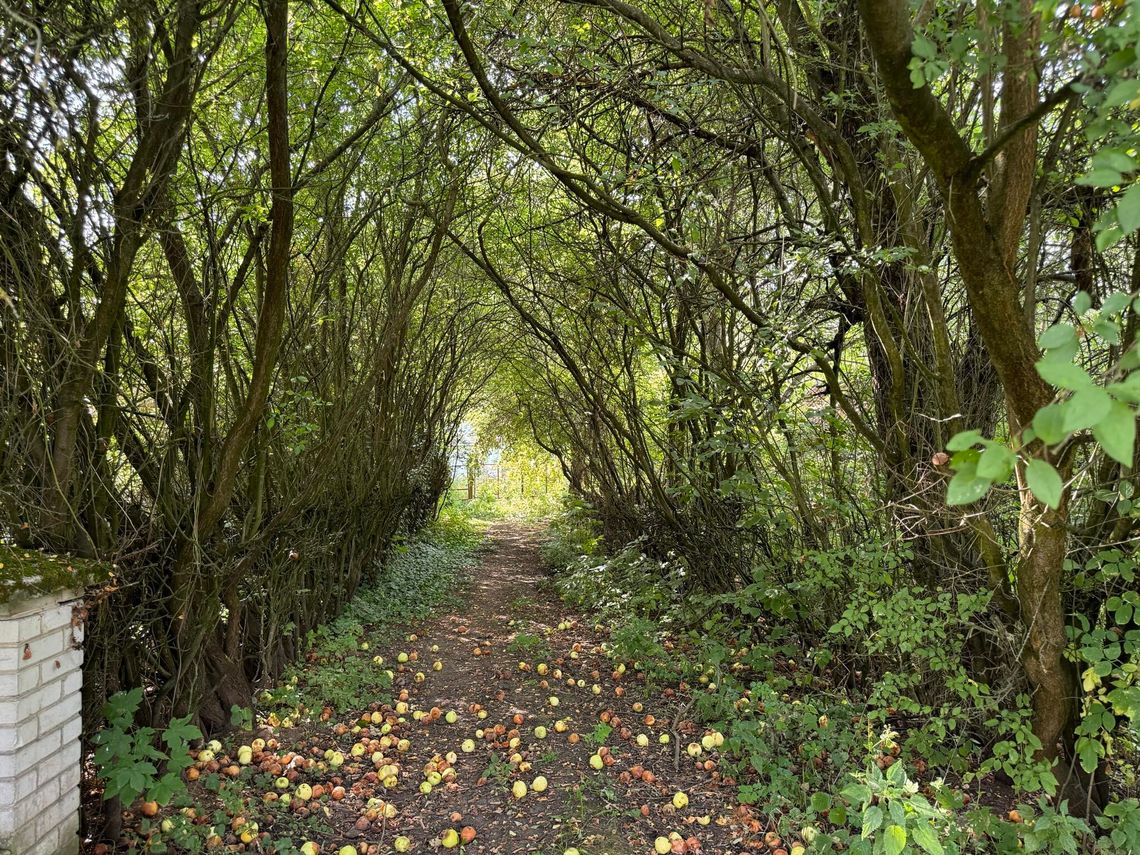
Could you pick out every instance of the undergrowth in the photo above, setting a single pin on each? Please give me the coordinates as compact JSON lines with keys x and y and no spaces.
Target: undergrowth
{"x":340,"y":671}
{"x":866,"y":741}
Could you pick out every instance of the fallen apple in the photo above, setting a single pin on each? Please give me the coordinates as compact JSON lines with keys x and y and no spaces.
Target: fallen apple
{"x":680,"y":800}
{"x":310,"y":848}
{"x":449,"y":839}
{"x":539,"y":784}
{"x":662,"y":846}
{"x":518,"y":789}
{"x":540,"y":732}
{"x":400,"y":844}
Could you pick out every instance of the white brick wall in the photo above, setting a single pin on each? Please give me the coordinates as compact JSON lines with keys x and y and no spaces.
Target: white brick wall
{"x":40,"y":681}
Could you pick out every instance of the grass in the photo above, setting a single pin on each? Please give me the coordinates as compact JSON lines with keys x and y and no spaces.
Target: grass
{"x":417,"y":579}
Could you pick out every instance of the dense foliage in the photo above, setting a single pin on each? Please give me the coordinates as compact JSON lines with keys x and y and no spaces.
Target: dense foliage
{"x":236,"y":343}
{"x":829,"y":307}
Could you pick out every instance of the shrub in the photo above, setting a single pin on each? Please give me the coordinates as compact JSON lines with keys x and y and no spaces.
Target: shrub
{"x":127,"y":757}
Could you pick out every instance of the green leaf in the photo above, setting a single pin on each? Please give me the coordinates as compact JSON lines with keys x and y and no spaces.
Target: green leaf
{"x":1119,"y":61}
{"x":180,"y":730}
{"x":1085,"y":408}
{"x":923,"y":47}
{"x":996,"y":462}
{"x":1122,"y":92}
{"x":1107,"y":331}
{"x":1111,"y":158}
{"x":1109,"y":236}
{"x":1089,"y":751}
{"x":1082,"y":302}
{"x":1128,"y":389}
{"x":894,"y":840}
{"x":872,"y":819}
{"x":1101,"y":178}
{"x":1117,"y":300}
{"x":1116,"y":433}
{"x":1057,"y":335}
{"x":1044,"y":482}
{"x":966,"y":487}
{"x":1065,"y":353}
{"x":820,"y":802}
{"x":1049,"y":424}
{"x":963,"y":440}
{"x":1063,"y":375}
{"x":856,"y":794}
{"x":924,"y":835}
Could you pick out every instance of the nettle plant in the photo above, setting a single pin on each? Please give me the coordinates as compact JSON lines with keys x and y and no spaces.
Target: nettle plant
{"x":893,"y":817}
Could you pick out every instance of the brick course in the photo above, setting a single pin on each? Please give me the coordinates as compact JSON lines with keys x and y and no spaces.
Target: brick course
{"x":40,"y":682}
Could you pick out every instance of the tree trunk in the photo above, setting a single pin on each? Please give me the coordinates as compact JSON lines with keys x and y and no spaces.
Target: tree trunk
{"x":985,"y":237}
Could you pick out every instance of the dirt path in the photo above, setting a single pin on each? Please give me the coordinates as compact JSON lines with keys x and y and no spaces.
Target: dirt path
{"x":511,"y":616}
{"x":512,"y":650}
